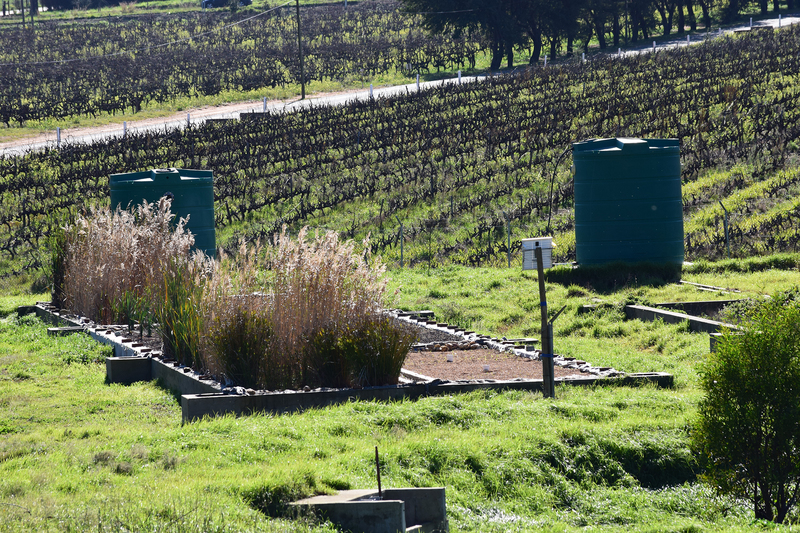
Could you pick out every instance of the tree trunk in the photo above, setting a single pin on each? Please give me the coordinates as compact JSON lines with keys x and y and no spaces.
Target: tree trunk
{"x":553,"y":48}
{"x":643,"y":26}
{"x":690,"y":14}
{"x":706,"y":14}
{"x":681,"y":18}
{"x":510,"y":54}
{"x":497,"y":54}
{"x":570,"y":42}
{"x":615,"y":30}
{"x":600,"y":31}
{"x":776,"y":6}
{"x":536,"y":37}
{"x":764,"y":6}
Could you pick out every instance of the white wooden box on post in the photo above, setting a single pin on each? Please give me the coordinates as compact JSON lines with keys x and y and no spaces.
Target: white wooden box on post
{"x":529,"y":255}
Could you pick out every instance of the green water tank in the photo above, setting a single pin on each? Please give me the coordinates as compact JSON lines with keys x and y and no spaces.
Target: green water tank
{"x":628,"y":204}
{"x":192,"y":193}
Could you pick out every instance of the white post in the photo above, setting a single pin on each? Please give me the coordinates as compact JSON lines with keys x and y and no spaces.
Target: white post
{"x":779,"y":20}
{"x":58,"y":137}
{"x":124,"y":128}
{"x":545,"y":60}
{"x":345,"y":4}
{"x":688,"y":39}
{"x":188,"y":120}
{"x":619,"y":52}
{"x":583,"y":57}
{"x":370,"y":90}
{"x":654,"y":46}
{"x":265,"y":104}
{"x":751,"y":22}
{"x":418,"y":82}
{"x":459,"y":77}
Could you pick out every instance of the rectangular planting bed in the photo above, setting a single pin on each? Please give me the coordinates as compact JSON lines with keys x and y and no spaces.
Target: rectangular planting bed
{"x":202,"y":396}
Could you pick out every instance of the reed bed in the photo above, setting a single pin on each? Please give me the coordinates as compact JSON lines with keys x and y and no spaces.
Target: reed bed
{"x":113,"y":261}
{"x":301,"y":312}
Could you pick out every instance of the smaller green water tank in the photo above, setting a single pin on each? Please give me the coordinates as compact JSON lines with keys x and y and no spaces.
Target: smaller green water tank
{"x":192,"y":193}
{"x":628,"y":204}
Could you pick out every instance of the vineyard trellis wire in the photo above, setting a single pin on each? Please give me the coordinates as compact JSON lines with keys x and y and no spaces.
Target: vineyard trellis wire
{"x":455,"y":156}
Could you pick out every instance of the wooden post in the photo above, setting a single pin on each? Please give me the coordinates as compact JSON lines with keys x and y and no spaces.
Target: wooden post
{"x":300,"y":51}
{"x":547,"y":346}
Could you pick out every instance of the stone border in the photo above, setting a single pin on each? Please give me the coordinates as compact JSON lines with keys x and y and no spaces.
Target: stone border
{"x":202,"y":397}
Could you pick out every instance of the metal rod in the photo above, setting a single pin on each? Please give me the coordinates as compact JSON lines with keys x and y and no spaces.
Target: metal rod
{"x":378,"y":470}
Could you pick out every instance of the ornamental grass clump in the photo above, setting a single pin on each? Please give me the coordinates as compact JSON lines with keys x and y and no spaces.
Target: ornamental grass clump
{"x":307,"y":312}
{"x":113,"y":260}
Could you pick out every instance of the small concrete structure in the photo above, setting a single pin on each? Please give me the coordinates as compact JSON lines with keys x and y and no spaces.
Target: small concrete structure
{"x":421,"y":510}
{"x":696,"y":324}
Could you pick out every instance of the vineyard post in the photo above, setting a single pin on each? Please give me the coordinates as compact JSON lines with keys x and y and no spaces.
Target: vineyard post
{"x":188,"y":120}
{"x":547,"y":353}
{"x":751,"y":23}
{"x":300,"y":52}
{"x":688,"y":40}
{"x":124,"y":128}
{"x":583,"y":57}
{"x":417,"y":82}
{"x":727,"y":241}
{"x":654,"y":46}
{"x":265,"y":104}
{"x":508,"y":233}
{"x":459,"y":77}
{"x":58,"y":137}
{"x":370,"y":90}
{"x":779,"y":21}
{"x":401,"y":241}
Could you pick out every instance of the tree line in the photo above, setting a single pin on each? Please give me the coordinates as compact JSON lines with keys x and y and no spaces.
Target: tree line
{"x":560,"y":25}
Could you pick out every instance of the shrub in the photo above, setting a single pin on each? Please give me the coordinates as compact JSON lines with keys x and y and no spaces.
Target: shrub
{"x":748,"y":427}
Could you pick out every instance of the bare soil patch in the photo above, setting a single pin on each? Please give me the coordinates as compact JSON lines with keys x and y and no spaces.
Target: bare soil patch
{"x":468,"y":365}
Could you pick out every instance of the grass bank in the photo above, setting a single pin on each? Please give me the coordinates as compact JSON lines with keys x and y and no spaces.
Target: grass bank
{"x":77,"y":454}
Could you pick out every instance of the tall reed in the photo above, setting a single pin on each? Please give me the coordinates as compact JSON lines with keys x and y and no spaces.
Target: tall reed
{"x":110,"y":257}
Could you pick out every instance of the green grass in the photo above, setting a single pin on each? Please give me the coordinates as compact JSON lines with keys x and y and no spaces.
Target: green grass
{"x":77,"y":454}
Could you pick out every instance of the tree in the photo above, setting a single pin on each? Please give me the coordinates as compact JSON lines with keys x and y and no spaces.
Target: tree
{"x":498,"y":20}
{"x":748,"y":427}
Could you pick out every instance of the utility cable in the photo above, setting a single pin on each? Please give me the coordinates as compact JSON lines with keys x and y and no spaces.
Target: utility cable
{"x":146,"y":48}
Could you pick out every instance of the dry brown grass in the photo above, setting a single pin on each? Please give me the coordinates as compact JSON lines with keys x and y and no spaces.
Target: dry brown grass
{"x":306,"y":311}
{"x":114,"y":256}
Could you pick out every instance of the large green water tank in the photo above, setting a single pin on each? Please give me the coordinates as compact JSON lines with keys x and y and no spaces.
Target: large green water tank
{"x":192,"y":193}
{"x":628,"y":204}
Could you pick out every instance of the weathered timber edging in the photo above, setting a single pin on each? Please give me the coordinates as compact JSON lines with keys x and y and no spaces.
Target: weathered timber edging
{"x":201,"y":397}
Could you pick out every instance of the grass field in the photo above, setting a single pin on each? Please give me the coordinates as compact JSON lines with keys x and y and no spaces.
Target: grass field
{"x":77,"y":454}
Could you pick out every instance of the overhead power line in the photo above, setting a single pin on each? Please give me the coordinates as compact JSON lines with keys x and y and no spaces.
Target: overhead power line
{"x":147,"y":48}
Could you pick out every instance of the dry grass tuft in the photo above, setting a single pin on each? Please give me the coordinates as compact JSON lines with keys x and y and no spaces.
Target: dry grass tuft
{"x":112,"y":259}
{"x":304,"y":312}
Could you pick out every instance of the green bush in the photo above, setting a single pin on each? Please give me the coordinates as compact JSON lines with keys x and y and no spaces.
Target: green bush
{"x":748,"y":428}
